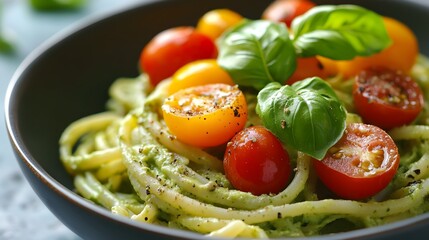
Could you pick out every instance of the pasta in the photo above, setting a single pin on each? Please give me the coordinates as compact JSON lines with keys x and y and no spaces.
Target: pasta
{"x":127,"y":161}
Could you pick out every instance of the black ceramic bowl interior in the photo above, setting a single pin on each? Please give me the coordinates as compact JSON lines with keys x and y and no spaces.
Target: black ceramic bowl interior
{"x":68,"y":78}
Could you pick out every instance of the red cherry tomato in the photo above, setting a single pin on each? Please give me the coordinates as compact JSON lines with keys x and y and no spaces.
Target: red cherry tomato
{"x":173,"y":48}
{"x":361,"y":164}
{"x":256,"y":162}
{"x":287,"y":10}
{"x":387,"y":98}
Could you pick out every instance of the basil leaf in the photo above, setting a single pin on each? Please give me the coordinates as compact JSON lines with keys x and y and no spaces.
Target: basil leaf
{"x":256,"y":53}
{"x":307,"y":116}
{"x":339,"y":32}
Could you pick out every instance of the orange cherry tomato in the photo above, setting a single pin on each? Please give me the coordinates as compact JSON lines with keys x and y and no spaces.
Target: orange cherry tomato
{"x":197,"y":73}
{"x":401,"y":55}
{"x":171,"y":49}
{"x":217,"y":21}
{"x":207,"y":115}
{"x":308,"y":67}
{"x":361,"y":164}
{"x":387,"y":98}
{"x":287,"y":10}
{"x":330,"y":67}
{"x":256,"y":162}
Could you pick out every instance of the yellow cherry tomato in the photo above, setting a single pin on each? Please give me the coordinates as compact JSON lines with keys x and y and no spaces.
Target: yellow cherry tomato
{"x":215,"y":22}
{"x":207,"y":115}
{"x":197,"y":73}
{"x":401,"y":55}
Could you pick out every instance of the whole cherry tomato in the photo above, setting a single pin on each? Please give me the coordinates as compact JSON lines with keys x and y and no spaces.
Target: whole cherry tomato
{"x":171,"y":49}
{"x":197,"y":73}
{"x":207,"y":115}
{"x":361,"y":164}
{"x":256,"y":162}
{"x":387,"y":98}
{"x":400,"y":55}
{"x":215,"y":22}
{"x":287,"y":10}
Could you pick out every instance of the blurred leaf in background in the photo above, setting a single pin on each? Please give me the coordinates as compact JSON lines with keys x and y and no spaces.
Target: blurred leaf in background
{"x":6,"y":45}
{"x":54,"y":5}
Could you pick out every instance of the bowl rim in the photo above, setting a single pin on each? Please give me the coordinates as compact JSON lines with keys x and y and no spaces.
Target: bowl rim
{"x":17,"y":144}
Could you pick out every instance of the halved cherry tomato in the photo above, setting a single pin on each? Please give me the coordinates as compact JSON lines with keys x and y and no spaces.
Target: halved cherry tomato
{"x":256,"y":162}
{"x":361,"y":164}
{"x":401,"y":55}
{"x":387,"y":98}
{"x":207,"y":115}
{"x":308,"y":67}
{"x":287,"y":10}
{"x":197,"y":73}
{"x":215,"y":22}
{"x":171,"y":49}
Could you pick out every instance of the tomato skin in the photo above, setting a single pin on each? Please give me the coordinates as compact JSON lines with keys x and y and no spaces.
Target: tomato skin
{"x":197,"y":73}
{"x":215,"y":22}
{"x":287,"y":10}
{"x":361,"y":164}
{"x":387,"y":98}
{"x":171,"y":49}
{"x":256,"y":162}
{"x":400,"y":55}
{"x":308,"y":67}
{"x":207,"y":115}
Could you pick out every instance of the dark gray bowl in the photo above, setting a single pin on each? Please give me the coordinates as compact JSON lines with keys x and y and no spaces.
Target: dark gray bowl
{"x":68,"y":78}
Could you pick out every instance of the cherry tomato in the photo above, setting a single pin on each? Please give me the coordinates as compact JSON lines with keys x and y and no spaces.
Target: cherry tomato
{"x":330,"y":67}
{"x":287,"y":10}
{"x":387,"y":98}
{"x":361,"y":164}
{"x":197,"y":73}
{"x":173,"y":48}
{"x":215,"y":22}
{"x":308,"y":67}
{"x":207,"y":115}
{"x":256,"y":162}
{"x":401,"y":55}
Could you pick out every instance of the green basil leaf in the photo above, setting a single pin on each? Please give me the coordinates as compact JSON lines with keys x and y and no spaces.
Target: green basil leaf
{"x":306,"y":116}
{"x":256,"y":53}
{"x":339,"y":32}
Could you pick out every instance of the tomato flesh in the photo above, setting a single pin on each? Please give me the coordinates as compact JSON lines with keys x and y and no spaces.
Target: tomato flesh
{"x":361,"y":164}
{"x":172,"y":49}
{"x":287,"y":10}
{"x":387,"y":98}
{"x":256,"y":162}
{"x":207,"y":115}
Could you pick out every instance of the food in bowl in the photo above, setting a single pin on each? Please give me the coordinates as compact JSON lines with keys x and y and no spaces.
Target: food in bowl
{"x":268,"y":148}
